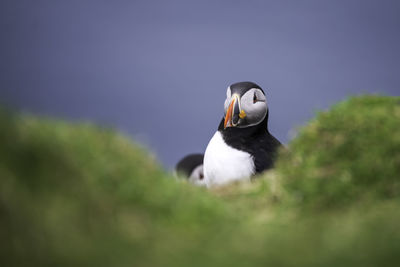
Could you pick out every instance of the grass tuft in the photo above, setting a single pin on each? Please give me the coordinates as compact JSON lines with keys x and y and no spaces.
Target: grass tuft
{"x":82,"y":195}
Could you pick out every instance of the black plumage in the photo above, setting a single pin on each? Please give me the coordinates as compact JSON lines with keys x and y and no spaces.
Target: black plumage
{"x":255,"y":140}
{"x":241,"y":88}
{"x":186,"y":165}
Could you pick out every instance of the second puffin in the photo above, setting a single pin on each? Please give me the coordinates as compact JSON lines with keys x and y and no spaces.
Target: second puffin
{"x":242,"y":146}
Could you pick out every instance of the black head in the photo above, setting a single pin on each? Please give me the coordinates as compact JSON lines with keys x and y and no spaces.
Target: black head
{"x":241,"y":88}
{"x":245,"y":105}
{"x":191,"y":167}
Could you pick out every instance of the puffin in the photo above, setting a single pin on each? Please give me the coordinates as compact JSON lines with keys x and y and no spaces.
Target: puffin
{"x":191,"y":168}
{"x":242,"y":146}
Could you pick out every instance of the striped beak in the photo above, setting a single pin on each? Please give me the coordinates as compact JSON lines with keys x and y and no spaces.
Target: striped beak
{"x":234,"y":112}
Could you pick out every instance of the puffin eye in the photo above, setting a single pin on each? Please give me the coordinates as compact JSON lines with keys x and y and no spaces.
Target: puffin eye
{"x":254,"y":98}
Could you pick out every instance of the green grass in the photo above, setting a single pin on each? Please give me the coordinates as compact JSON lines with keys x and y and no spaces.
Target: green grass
{"x":81,"y":195}
{"x":350,"y":153}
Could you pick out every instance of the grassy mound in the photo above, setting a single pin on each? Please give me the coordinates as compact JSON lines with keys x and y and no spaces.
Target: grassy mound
{"x":80,"y":195}
{"x":350,"y":153}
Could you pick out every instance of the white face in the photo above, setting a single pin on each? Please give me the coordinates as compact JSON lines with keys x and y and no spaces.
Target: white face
{"x":197,"y":176}
{"x":253,"y":103}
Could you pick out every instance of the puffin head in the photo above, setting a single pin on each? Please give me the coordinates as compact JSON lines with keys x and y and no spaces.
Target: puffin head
{"x":245,"y":105}
{"x":191,"y":168}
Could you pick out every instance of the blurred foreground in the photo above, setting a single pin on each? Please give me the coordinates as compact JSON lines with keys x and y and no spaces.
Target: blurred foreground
{"x":80,"y":195}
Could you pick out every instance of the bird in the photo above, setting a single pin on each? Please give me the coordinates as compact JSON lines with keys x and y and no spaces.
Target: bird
{"x":242,"y":146}
{"x":191,"y":168}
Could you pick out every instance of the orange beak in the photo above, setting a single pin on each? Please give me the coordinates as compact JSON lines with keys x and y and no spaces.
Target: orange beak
{"x":234,"y":112}
{"x":228,"y":116}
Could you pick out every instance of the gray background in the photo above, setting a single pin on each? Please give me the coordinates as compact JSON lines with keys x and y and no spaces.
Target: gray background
{"x":158,"y":70}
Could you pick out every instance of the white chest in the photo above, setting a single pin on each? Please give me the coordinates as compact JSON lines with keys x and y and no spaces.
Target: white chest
{"x":224,"y":164}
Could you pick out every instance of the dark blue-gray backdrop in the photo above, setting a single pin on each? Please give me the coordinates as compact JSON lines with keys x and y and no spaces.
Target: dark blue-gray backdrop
{"x":158,"y":70}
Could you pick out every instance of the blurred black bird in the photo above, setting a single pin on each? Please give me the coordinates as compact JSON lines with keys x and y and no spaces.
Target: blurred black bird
{"x":191,"y":168}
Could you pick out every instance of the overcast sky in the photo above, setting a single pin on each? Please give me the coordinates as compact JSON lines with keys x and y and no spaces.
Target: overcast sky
{"x":158,"y":70}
